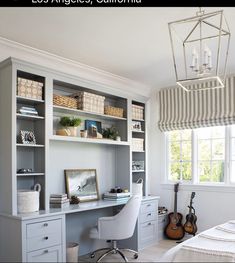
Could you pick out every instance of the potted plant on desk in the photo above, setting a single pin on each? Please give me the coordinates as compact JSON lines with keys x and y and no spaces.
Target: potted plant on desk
{"x":111,"y":133}
{"x":70,"y":126}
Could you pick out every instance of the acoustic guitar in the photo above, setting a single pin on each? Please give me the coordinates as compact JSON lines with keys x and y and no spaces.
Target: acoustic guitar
{"x":190,"y":226}
{"x":174,"y":229}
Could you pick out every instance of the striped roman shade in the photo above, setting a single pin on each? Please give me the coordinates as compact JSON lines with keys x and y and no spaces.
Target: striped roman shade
{"x":180,"y":109}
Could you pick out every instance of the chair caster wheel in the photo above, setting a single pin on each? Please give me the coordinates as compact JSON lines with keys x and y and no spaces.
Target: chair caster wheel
{"x":136,"y":256}
{"x":92,"y":255}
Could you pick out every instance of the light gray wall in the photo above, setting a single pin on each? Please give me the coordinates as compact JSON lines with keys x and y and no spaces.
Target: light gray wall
{"x":69,"y":155}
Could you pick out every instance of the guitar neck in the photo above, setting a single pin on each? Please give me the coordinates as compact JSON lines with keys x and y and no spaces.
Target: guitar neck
{"x":175,"y":204}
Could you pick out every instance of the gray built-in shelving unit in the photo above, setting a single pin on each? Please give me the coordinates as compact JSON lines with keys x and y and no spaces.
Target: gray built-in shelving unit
{"x":53,"y":153}
{"x":140,"y":155}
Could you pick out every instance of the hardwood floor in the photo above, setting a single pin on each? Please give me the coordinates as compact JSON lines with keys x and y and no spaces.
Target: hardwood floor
{"x":150,"y":254}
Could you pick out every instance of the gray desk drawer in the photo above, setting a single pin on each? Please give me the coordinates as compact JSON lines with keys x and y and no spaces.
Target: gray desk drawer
{"x":148,"y":233}
{"x":43,"y":228}
{"x":52,"y":254}
{"x":43,"y":241}
{"x":150,"y":216}
{"x":147,"y":207}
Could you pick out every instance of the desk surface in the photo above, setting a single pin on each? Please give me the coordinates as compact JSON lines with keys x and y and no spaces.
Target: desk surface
{"x":86,"y":206}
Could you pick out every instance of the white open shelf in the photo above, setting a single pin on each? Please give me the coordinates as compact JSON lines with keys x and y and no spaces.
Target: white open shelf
{"x":138,"y":131}
{"x":29,"y":145}
{"x":29,"y":174}
{"x":138,"y":171}
{"x":29,"y":117}
{"x":138,"y":120}
{"x":85,"y":113}
{"x":28,"y":100}
{"x":87,"y":140}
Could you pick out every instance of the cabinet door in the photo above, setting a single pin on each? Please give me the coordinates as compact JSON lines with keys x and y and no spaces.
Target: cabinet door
{"x":52,"y":254}
{"x":147,"y":234}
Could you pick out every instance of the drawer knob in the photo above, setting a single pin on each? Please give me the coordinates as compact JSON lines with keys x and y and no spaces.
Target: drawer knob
{"x":149,"y":224}
{"x":45,"y":224}
{"x":149,"y":214}
{"x":45,"y":238}
{"x":46,"y":251}
{"x":149,"y":205}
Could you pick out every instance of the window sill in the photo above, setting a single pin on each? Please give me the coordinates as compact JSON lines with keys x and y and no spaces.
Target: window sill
{"x":200,"y":187}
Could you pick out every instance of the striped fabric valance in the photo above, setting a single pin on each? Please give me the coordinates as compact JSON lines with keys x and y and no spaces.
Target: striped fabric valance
{"x":180,"y":109}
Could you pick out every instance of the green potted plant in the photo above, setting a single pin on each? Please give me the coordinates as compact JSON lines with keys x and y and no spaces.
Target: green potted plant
{"x":70,"y":125}
{"x":110,"y":133}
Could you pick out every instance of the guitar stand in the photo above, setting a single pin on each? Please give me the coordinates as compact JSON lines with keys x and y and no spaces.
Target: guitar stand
{"x":180,"y":241}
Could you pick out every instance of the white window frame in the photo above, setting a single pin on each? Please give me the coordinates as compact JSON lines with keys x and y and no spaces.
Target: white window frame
{"x":194,"y":157}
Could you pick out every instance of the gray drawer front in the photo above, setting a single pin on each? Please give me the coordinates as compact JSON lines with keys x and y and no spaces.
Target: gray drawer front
{"x":52,"y":254}
{"x":150,"y":216}
{"x":43,"y":228}
{"x":147,"y":207}
{"x":148,"y":233}
{"x":44,"y":241}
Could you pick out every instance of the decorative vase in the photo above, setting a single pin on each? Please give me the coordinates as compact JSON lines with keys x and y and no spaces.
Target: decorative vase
{"x":73,"y":131}
{"x":68,"y":131}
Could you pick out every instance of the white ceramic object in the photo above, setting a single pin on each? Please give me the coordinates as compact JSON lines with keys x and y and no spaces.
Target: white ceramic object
{"x":137,"y":188}
{"x":28,"y":200}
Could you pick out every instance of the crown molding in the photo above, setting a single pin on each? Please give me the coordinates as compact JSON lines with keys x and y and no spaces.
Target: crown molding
{"x":131,"y":87}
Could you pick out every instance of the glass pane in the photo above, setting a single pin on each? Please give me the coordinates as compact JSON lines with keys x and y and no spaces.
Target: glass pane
{"x":218,"y":149}
{"x":186,"y":150}
{"x":175,"y":171}
{"x":233,"y":149}
{"x":204,"y":133}
{"x":217,"y":172}
{"x":233,"y":172}
{"x":175,"y":151}
{"x":204,"y":171}
{"x":186,"y":171}
{"x":186,"y":135}
{"x":218,"y":132}
{"x":174,"y":135}
{"x":204,"y":150}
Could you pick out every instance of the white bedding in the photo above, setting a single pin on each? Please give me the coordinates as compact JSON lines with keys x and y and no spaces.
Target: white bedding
{"x":216,"y":244}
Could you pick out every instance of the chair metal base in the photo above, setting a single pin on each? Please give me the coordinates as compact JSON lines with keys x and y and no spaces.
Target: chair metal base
{"x":114,"y":250}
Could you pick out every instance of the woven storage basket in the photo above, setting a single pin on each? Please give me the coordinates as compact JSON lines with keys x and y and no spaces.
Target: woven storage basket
{"x":137,"y":144}
{"x":90,"y":102}
{"x":65,"y":101}
{"x":29,"y":88}
{"x":113,"y":111}
{"x":137,"y":112}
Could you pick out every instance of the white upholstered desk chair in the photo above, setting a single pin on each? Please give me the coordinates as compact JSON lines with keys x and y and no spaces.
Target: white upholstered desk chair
{"x":118,"y":227}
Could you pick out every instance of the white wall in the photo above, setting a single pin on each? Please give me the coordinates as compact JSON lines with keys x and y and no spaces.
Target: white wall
{"x":214,"y":205}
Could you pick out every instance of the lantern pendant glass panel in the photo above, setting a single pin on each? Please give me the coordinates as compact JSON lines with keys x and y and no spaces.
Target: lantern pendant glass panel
{"x":200,"y":49}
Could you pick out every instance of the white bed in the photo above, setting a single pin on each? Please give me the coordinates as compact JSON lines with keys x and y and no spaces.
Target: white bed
{"x":216,"y":244}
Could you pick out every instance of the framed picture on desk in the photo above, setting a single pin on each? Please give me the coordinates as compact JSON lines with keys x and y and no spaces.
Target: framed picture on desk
{"x":82,"y":183}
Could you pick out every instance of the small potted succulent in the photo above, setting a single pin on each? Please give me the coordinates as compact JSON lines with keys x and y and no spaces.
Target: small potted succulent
{"x":110,"y":133}
{"x":70,"y":125}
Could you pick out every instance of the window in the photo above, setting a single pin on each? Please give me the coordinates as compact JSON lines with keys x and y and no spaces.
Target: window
{"x":205,"y":155}
{"x":180,"y":155}
{"x":211,"y":149}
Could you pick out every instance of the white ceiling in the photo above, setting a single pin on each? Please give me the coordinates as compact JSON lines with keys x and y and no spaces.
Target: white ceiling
{"x":130,"y":42}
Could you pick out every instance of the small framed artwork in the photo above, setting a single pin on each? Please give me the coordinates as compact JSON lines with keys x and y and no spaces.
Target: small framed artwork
{"x":136,"y":126}
{"x":27,"y":137}
{"x":93,"y":128}
{"x":82,"y":183}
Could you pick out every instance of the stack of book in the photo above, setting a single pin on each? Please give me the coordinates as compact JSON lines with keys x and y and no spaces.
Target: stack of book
{"x":59,"y":201}
{"x":28,"y":111}
{"x":116,"y":196}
